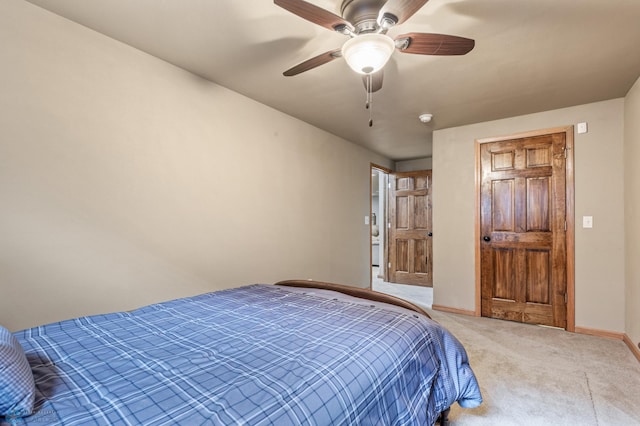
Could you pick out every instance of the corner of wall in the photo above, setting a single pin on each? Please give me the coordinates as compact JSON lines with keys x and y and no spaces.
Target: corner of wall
{"x":632,"y":206}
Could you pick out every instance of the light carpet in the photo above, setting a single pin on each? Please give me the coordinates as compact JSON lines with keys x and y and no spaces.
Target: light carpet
{"x":532,"y":375}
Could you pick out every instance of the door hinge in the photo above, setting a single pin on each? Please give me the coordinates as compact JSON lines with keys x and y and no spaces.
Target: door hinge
{"x":389,"y":185}
{"x":565,"y":226}
{"x":566,"y":298}
{"x":565,"y":152}
{"x":389,"y":265}
{"x":389,"y":225}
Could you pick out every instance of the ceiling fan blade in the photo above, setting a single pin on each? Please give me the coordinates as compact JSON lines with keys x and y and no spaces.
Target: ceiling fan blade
{"x":313,"y":62}
{"x":401,"y":9}
{"x":313,"y":13}
{"x":376,"y":81}
{"x":434,"y":44}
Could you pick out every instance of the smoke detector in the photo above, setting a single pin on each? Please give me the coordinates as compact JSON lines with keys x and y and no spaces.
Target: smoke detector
{"x":425,"y":118}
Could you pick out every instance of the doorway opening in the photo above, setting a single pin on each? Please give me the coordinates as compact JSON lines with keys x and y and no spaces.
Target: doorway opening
{"x":378,"y":219}
{"x":384,"y":266}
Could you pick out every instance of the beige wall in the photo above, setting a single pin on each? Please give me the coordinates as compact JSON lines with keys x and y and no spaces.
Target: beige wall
{"x":600,"y":282}
{"x":413,"y":165}
{"x":125,"y":180}
{"x":632,"y":211}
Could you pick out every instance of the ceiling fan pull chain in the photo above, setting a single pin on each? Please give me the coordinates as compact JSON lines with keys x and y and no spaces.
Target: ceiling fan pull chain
{"x":368,"y":89}
{"x":370,"y":98}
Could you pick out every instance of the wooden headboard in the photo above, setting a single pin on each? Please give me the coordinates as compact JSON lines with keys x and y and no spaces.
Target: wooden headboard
{"x":363,"y":293}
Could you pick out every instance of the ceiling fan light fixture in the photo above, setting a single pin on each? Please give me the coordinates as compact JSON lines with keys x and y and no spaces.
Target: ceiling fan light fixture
{"x":368,"y":53}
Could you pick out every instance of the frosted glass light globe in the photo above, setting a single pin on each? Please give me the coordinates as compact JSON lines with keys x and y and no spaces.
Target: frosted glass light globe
{"x":368,"y":53}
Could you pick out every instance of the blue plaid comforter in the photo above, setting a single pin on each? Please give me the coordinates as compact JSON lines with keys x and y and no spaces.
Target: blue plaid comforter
{"x":255,"y":355}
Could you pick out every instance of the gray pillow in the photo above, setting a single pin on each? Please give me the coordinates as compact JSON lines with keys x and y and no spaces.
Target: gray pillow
{"x":16,"y":380}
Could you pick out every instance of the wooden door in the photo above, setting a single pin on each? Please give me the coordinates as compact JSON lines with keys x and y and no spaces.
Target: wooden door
{"x":523,"y":251}
{"x":410,"y":231}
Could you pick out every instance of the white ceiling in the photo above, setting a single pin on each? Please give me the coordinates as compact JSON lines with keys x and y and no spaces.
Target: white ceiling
{"x":530,"y":56}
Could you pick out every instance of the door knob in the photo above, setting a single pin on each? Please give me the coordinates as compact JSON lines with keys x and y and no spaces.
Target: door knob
{"x":430,"y":234}
{"x":486,"y":238}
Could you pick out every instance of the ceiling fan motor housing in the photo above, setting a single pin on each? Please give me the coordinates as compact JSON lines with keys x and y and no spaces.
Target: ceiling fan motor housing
{"x":363,"y":14}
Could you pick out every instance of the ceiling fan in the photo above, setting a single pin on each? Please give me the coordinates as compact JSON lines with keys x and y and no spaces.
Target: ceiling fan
{"x":369,"y":47}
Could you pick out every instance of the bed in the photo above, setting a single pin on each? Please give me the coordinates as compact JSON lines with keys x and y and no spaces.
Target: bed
{"x":293,"y":353}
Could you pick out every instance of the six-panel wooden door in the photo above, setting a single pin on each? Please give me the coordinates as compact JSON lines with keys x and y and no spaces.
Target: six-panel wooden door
{"x":410,"y":246}
{"x":523,"y":224}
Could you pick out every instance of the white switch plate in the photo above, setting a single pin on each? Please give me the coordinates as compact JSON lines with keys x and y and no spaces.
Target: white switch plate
{"x":366,"y":220}
{"x":587,"y":221}
{"x":582,"y":128}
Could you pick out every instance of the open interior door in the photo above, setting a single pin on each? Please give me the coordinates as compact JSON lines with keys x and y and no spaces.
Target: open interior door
{"x":410,"y":229}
